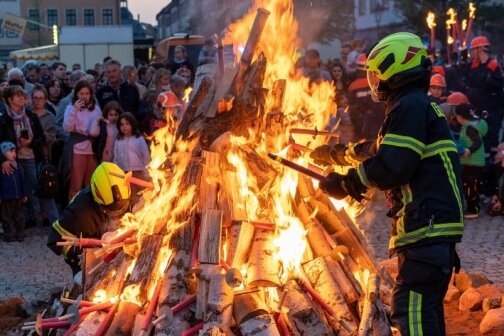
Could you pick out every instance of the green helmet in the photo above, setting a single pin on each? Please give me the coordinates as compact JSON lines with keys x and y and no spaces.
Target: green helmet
{"x":395,"y":54}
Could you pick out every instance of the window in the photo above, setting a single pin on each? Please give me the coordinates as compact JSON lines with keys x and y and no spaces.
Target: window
{"x":107,"y":17}
{"x":34,"y":15}
{"x":89,"y":19}
{"x":379,"y":6}
{"x":362,"y":7}
{"x":52,"y":17}
{"x":71,"y":17}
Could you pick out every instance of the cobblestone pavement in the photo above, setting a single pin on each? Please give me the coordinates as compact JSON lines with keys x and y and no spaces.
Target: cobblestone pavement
{"x":481,"y":250}
{"x":29,"y":268}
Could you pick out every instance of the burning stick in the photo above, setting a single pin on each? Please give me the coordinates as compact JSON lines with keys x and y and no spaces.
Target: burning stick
{"x":315,"y":132}
{"x":263,"y":225}
{"x":472,"y":11}
{"x":150,"y":310}
{"x":431,"y":23}
{"x":130,"y":179}
{"x":297,"y":167}
{"x":108,"y":319}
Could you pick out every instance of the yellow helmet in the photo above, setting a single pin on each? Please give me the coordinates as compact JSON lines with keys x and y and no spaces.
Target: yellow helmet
{"x":110,"y":191}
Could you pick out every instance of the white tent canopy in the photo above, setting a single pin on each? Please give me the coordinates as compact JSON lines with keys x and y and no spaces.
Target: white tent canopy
{"x":48,"y":52}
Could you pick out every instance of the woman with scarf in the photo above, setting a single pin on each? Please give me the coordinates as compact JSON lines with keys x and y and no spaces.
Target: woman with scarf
{"x":22,"y":127}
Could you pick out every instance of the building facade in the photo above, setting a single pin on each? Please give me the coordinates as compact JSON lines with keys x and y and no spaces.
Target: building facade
{"x":376,"y":18}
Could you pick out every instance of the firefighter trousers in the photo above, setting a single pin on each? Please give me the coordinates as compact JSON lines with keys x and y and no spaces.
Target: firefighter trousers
{"x":417,"y":297}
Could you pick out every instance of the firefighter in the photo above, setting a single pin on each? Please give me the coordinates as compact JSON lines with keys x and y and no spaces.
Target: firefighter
{"x":415,"y":161}
{"x":90,"y":211}
{"x":437,"y":88}
{"x":366,"y":115}
{"x":484,"y":88}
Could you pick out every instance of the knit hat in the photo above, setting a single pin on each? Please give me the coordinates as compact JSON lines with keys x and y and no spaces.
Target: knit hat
{"x":6,"y":146}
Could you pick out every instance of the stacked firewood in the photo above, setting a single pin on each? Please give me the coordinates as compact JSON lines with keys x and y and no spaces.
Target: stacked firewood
{"x":222,"y":276}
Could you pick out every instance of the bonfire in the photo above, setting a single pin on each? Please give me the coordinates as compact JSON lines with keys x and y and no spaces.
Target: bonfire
{"x":229,"y":241}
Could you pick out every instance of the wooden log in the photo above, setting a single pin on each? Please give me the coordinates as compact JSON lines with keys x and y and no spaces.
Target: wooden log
{"x":251,"y":315}
{"x":249,"y":51}
{"x":304,"y":317}
{"x":143,"y":272}
{"x":175,"y":324}
{"x":90,"y":323}
{"x":262,"y":268}
{"x":182,"y":239}
{"x":243,"y":115}
{"x":210,"y":237}
{"x":374,"y":320}
{"x":110,"y":276}
{"x":258,"y":167}
{"x":190,"y":124}
{"x":216,"y":330}
{"x":206,"y":270}
{"x":210,"y":178}
{"x":277,"y":95}
{"x":345,"y":284}
{"x":222,"y":88}
{"x":175,"y":285}
{"x":235,"y":205}
{"x":220,"y":299}
{"x":241,"y":234}
{"x":124,"y":319}
{"x":320,"y":277}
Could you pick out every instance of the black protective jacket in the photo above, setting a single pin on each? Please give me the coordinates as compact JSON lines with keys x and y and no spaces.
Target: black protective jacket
{"x":82,"y":217}
{"x":415,"y":161}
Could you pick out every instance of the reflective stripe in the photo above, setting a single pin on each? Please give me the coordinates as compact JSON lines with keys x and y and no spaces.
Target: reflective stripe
{"x":415,"y":314}
{"x":405,"y":142}
{"x":453,"y":181}
{"x":362,"y":176}
{"x":430,"y":231}
{"x":438,"y":110}
{"x":63,"y":232}
{"x":438,"y":147}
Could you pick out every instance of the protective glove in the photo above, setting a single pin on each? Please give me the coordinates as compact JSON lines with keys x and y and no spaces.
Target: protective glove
{"x":339,"y":186}
{"x":326,"y":155}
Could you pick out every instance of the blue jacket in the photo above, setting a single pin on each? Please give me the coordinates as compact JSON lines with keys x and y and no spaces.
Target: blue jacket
{"x":11,"y":186}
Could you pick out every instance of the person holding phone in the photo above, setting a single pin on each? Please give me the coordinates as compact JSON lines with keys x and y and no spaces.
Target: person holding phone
{"x":79,"y":160}
{"x":22,"y":127}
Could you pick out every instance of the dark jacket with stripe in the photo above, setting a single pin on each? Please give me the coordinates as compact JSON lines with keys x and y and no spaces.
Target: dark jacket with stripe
{"x":82,"y":217}
{"x":415,"y":161}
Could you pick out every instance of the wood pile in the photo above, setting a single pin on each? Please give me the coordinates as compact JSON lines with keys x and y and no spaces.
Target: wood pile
{"x":222,"y":275}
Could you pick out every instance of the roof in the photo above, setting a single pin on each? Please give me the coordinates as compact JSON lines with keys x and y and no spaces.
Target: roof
{"x":48,"y":52}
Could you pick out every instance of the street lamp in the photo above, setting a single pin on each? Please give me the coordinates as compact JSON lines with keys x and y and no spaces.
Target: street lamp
{"x":378,"y":10}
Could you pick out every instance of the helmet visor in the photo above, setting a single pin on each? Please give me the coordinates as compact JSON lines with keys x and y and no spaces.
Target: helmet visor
{"x":117,"y":208}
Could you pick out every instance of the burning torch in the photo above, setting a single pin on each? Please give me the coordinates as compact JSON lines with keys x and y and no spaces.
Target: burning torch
{"x":472,"y":14}
{"x":431,"y":23}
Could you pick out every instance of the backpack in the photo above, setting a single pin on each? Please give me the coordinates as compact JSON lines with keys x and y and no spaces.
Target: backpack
{"x":48,"y":183}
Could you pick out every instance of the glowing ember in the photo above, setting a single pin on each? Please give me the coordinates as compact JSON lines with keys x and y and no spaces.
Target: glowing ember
{"x":131,"y":294}
{"x":100,"y":296}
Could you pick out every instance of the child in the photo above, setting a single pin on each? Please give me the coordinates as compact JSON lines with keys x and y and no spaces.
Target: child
{"x":130,"y":149}
{"x":473,"y":159}
{"x":105,"y":128}
{"x":12,"y":197}
{"x":436,"y":88}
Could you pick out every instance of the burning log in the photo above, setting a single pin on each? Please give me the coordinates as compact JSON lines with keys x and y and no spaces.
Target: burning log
{"x":248,"y":52}
{"x":110,"y":276}
{"x":320,"y":277}
{"x":252,"y":317}
{"x":374,"y":320}
{"x":124,"y":319}
{"x":241,"y":234}
{"x":143,"y":272}
{"x":304,"y":317}
{"x":264,"y":173}
{"x":91,"y":323}
{"x":210,"y":237}
{"x":175,"y":284}
{"x":235,"y":207}
{"x":262,"y":268}
{"x":209,"y":177}
{"x":243,"y":115}
{"x":191,"y":122}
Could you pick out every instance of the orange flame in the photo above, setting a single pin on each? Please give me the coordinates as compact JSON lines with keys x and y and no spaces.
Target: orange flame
{"x":472,"y":10}
{"x":431,"y":23}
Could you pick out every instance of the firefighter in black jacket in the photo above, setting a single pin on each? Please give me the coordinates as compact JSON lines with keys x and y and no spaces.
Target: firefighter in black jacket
{"x":415,"y":161}
{"x":90,"y":210}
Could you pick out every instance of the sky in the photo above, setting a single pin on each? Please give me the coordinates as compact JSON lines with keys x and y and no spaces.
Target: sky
{"x":148,"y":9}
